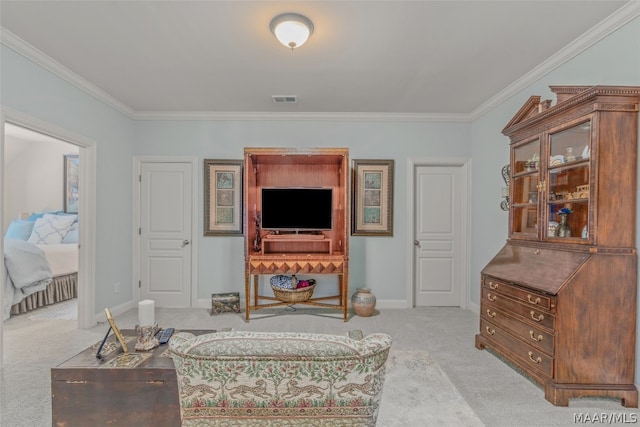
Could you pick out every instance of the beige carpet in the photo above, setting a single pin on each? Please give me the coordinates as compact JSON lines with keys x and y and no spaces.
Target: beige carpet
{"x":498,"y":395}
{"x":417,"y":393}
{"x":65,"y":310}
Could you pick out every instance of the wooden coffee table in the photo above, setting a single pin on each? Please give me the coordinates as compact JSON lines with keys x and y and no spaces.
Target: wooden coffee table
{"x":137,"y":389}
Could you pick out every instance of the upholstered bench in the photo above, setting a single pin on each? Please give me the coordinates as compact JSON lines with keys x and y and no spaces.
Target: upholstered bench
{"x":279,"y":379}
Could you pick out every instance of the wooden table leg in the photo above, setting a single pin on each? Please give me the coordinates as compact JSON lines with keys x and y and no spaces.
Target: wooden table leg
{"x":344,"y":290}
{"x":256,"y":281}
{"x":247,"y":296}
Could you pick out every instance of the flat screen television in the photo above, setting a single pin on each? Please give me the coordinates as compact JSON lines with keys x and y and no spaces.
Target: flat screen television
{"x":297,"y":209}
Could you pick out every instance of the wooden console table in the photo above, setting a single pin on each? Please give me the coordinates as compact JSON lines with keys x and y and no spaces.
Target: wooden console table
{"x":92,"y":392}
{"x":307,"y":264}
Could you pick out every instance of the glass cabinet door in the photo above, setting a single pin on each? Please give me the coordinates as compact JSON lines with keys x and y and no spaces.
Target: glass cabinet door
{"x":524,"y":189}
{"x":568,"y":184}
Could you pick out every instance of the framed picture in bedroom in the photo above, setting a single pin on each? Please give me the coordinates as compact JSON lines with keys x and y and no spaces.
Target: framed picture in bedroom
{"x":222,"y":197}
{"x":372,"y":193}
{"x":71,"y":164}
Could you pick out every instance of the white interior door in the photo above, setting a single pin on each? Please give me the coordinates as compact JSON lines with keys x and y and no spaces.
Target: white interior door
{"x":439,"y":263}
{"x":166,"y":197}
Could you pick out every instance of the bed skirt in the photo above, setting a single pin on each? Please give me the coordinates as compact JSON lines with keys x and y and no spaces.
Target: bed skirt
{"x":61,"y":288}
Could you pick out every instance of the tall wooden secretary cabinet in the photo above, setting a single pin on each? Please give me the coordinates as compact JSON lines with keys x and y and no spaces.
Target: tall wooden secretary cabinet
{"x":559,"y":299}
{"x":324,"y":252}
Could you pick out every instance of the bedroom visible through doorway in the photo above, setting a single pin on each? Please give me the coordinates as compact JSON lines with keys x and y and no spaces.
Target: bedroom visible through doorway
{"x":40,"y":208}
{"x":86,"y":311}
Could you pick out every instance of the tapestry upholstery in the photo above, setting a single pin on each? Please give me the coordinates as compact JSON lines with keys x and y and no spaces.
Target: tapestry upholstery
{"x":279,"y":379}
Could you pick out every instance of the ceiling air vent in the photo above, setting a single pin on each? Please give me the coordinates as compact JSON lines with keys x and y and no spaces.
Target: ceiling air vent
{"x":284,"y":99}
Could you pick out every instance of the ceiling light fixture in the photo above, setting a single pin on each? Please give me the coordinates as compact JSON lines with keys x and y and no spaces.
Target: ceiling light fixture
{"x":291,"y":29}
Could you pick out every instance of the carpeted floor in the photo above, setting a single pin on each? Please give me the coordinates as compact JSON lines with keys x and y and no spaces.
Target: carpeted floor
{"x":65,"y":310}
{"x":417,"y":393}
{"x":467,"y":385}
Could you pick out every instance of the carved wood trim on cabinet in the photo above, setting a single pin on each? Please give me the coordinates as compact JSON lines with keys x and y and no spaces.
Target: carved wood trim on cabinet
{"x":563,"y":308}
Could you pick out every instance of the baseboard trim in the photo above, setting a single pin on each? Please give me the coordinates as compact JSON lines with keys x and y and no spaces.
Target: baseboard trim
{"x":381,"y":303}
{"x":101,"y":317}
{"x":387,"y":304}
{"x":472,"y":306}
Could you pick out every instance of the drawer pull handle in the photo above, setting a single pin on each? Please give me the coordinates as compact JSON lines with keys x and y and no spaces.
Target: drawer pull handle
{"x":491,"y":313}
{"x":493,"y":286}
{"x":533,"y":301}
{"x":537,"y":252}
{"x":490,"y":331}
{"x":491,"y":297}
{"x":536,"y":360}
{"x":539,"y":318}
{"x":533,"y":337}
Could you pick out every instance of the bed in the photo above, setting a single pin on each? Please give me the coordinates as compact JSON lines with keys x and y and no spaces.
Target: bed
{"x":41,"y":262}
{"x":63,"y":262}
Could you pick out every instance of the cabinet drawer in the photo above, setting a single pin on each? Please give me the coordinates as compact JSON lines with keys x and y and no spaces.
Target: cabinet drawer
{"x":528,"y":296}
{"x":530,"y":313}
{"x":529,"y":356}
{"x":536,"y":337}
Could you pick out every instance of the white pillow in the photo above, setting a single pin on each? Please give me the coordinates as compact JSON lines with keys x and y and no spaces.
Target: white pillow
{"x":50,"y":230}
{"x":59,"y":214}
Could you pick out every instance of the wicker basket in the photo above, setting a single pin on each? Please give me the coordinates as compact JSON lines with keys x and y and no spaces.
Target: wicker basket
{"x":293,"y":295}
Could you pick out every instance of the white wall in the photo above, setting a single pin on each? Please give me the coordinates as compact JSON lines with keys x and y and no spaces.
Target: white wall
{"x":375,"y":262}
{"x":35,"y":173}
{"x":30,"y":89}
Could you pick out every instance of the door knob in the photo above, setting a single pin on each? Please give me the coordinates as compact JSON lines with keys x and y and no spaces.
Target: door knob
{"x":417,"y":243}
{"x":185,"y":243}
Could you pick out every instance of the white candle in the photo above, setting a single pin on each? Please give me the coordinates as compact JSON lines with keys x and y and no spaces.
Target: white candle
{"x":146,"y":314}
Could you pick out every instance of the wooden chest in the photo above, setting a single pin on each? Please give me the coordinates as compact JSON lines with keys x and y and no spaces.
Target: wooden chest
{"x":86,"y":391}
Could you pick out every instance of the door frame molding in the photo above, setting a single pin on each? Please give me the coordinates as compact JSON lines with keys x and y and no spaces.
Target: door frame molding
{"x":137,"y":168}
{"x":464,"y":163}
{"x":86,"y":207}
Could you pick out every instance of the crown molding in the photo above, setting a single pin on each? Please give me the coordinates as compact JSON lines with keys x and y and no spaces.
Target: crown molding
{"x":25,"y":49}
{"x":293,"y":116}
{"x":622,"y":16}
{"x":613,"y":22}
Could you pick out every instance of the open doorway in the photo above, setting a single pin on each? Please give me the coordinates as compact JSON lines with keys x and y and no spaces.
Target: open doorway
{"x":40,"y":223}
{"x":86,"y":152}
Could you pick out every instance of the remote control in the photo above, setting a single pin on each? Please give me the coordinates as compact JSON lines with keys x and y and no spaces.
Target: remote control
{"x":164,"y":335}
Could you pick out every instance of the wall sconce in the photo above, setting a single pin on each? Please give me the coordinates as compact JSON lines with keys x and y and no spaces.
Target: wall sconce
{"x":291,"y":29}
{"x":506,"y":175}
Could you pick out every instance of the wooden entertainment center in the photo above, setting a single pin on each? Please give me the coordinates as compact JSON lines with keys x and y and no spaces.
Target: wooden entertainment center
{"x":304,"y":253}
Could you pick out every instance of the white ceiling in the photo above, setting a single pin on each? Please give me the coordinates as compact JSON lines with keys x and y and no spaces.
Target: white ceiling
{"x":369,"y":57}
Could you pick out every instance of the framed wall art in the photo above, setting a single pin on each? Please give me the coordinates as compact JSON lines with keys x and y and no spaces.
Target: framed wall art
{"x":372,"y":193}
{"x":71,"y":166}
{"x":222,"y":197}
